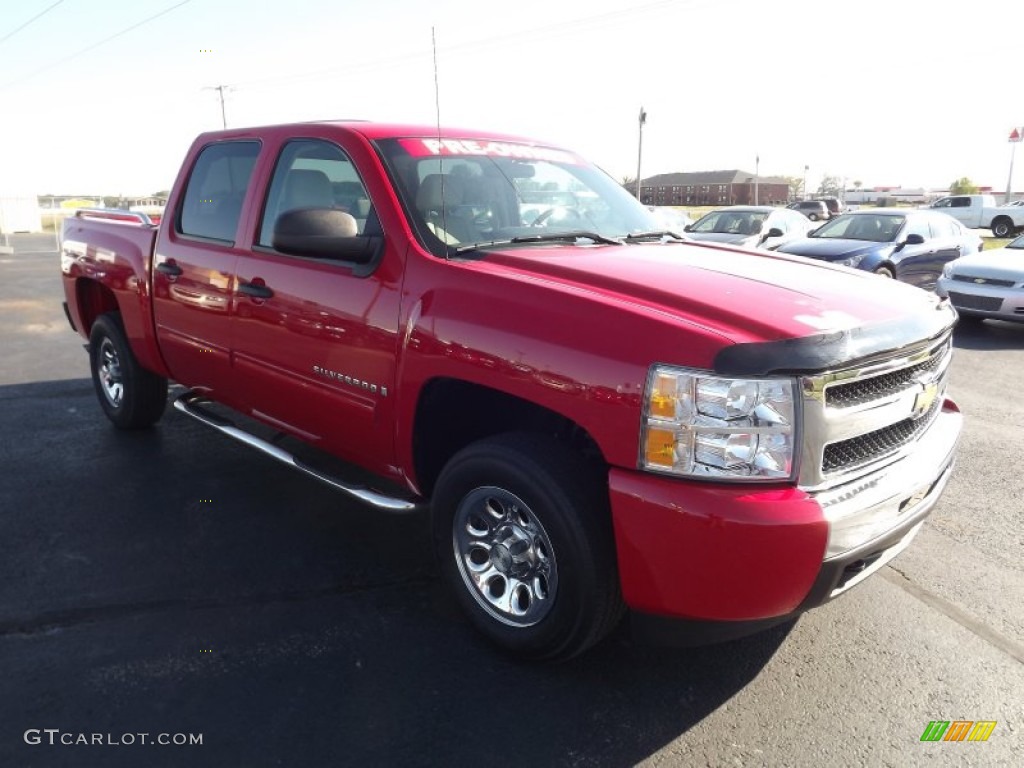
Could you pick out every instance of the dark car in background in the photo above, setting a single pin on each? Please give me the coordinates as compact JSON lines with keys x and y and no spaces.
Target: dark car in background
{"x":910,"y":245}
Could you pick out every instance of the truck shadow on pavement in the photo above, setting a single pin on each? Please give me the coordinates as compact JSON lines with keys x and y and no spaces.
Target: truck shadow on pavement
{"x":989,"y":334}
{"x":171,"y":581}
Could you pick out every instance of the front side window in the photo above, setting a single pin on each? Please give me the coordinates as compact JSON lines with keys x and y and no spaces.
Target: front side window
{"x":216,"y":190}
{"x":312,"y":173}
{"x":463,"y":192}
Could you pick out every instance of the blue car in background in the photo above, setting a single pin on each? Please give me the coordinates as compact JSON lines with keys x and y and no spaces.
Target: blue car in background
{"x":910,"y":245}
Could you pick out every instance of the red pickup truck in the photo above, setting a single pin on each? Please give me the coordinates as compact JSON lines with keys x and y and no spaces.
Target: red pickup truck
{"x":598,"y":414}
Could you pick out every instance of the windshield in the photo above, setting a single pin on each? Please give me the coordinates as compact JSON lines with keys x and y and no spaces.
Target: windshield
{"x":1018,"y":243}
{"x":731,"y":222}
{"x":874,"y":227}
{"x":462,"y":192}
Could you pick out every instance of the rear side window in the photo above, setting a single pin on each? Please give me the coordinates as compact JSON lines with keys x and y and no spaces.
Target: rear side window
{"x":216,"y":190}
{"x":960,"y":202}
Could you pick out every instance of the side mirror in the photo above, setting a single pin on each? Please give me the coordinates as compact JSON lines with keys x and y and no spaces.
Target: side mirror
{"x":325,"y":233}
{"x":688,"y":228}
{"x":774,"y":232}
{"x":914,"y":239}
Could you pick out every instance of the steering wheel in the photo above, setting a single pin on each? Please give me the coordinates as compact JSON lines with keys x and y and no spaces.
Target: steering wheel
{"x":545,"y":215}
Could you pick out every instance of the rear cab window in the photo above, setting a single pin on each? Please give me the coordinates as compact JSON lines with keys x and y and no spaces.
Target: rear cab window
{"x":212,"y":204}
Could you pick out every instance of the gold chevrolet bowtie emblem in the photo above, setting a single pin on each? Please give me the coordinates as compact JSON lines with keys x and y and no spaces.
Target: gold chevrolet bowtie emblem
{"x":925,"y":398}
{"x":979,"y":279}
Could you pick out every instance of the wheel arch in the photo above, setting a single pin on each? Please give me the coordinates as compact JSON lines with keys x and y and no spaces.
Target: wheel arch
{"x":94,"y":299}
{"x":452,"y":413}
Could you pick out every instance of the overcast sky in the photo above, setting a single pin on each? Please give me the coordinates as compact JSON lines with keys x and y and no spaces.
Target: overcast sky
{"x":886,"y":92}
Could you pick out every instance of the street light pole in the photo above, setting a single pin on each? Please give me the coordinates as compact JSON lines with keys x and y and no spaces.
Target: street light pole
{"x":804,"y":189}
{"x":1015,"y":137}
{"x":640,"y":151}
{"x":757,"y":175}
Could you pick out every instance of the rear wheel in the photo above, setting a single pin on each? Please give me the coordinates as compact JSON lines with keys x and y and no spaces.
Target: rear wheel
{"x":523,"y":533}
{"x":812,"y":216}
{"x":1002,"y":227}
{"x":131,"y":396}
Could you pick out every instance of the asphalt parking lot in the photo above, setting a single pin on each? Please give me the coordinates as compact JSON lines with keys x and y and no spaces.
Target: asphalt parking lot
{"x":174,"y":582}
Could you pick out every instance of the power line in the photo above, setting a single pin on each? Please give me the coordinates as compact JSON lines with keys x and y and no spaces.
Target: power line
{"x":42,"y":13}
{"x":94,"y":46}
{"x":488,"y":42}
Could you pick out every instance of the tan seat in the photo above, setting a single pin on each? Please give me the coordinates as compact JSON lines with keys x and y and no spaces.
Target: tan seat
{"x":440,"y":200}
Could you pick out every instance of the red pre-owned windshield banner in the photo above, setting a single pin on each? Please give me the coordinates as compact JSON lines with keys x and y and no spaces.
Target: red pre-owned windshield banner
{"x":486,"y":148}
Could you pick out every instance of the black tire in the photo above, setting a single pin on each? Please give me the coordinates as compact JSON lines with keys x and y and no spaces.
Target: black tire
{"x":1002,"y":227}
{"x":812,"y":216}
{"x":530,"y":519}
{"x":885,"y":271}
{"x":131,"y":396}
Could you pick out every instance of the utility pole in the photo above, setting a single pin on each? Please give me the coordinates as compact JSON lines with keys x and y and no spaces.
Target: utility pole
{"x":220,"y":92}
{"x":804,"y":190}
{"x":640,"y":151}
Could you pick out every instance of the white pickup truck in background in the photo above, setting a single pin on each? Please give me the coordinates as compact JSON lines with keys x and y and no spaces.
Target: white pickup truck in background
{"x":981,"y":211}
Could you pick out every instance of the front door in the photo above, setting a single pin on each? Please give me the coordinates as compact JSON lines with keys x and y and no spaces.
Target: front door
{"x":315,"y":339}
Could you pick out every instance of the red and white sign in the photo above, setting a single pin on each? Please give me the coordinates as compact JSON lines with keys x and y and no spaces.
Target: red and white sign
{"x":1016,"y":134}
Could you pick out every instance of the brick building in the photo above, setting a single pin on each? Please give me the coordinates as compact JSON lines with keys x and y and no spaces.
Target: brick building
{"x":733,"y":187}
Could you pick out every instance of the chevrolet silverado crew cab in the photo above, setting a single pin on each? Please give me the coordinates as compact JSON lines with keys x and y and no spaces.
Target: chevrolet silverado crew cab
{"x":598,"y":415}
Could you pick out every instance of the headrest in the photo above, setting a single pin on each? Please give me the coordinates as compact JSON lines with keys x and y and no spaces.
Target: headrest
{"x":428,"y":197}
{"x":307,"y":188}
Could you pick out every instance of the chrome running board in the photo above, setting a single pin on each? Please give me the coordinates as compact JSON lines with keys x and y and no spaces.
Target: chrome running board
{"x":191,"y":404}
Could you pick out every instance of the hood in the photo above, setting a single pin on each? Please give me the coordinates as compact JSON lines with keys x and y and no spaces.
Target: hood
{"x":831,"y":248}
{"x":744,"y":296}
{"x":1000,"y":263}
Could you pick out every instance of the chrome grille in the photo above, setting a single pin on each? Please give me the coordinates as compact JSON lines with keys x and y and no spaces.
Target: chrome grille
{"x":873,"y":446}
{"x":861,"y":418}
{"x":984,"y":281}
{"x":876,"y":387}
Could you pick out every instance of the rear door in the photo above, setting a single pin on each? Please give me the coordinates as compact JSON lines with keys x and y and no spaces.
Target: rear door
{"x":315,"y":338}
{"x":921,"y":264}
{"x":194,"y":267}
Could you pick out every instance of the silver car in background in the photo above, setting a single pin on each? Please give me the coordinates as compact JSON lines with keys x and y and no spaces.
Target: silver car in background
{"x":751,"y":226}
{"x":987,"y":284}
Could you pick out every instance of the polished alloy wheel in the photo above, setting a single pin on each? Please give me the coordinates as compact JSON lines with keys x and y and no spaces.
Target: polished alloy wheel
{"x":111,"y":379}
{"x":505,"y":556}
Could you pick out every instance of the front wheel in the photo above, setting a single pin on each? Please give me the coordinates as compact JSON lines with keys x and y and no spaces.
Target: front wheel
{"x":884,"y":271}
{"x":131,"y":396}
{"x":1002,"y":227}
{"x":523,"y":533}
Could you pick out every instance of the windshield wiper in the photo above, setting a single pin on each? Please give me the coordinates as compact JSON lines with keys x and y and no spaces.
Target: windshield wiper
{"x":552,"y":237}
{"x":637,"y":237}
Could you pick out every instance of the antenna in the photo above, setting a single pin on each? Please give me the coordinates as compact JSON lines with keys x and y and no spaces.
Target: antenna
{"x":440,"y":147}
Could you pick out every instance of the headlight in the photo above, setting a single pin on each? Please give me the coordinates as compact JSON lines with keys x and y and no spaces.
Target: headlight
{"x":853,"y":261}
{"x":947,"y":270}
{"x":698,"y":425}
